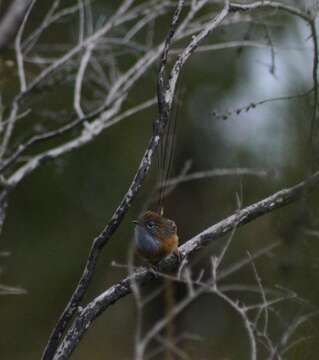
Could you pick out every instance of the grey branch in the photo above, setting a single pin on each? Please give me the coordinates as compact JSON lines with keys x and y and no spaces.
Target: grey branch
{"x":11,"y":21}
{"x":117,"y":85}
{"x":90,"y":312}
{"x":166,"y":91}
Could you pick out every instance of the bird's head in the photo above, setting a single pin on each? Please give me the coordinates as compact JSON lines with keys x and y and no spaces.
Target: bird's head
{"x":157,"y":225}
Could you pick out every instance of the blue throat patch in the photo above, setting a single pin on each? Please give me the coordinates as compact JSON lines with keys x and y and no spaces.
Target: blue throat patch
{"x":144,"y":241}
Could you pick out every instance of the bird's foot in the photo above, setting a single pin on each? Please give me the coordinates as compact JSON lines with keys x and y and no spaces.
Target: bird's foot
{"x":178,"y":254}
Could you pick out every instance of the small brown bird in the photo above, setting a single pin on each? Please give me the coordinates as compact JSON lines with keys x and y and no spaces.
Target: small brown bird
{"x":155,"y":237}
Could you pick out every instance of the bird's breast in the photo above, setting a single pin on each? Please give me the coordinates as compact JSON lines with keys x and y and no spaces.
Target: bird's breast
{"x":170,"y":244}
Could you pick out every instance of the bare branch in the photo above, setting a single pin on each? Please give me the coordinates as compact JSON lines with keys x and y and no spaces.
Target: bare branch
{"x":93,"y":63}
{"x":89,"y":313}
{"x":10,"y":22}
{"x":200,"y":175}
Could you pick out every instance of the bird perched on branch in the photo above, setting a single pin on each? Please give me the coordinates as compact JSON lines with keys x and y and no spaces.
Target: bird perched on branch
{"x":155,"y":237}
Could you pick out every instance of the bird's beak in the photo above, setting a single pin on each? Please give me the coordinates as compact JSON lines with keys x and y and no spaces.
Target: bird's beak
{"x":136,"y":222}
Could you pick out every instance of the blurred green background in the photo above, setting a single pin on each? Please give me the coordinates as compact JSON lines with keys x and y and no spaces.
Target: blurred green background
{"x":55,"y":213}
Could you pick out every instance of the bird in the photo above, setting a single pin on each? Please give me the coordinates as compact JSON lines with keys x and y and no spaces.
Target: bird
{"x":155,"y":237}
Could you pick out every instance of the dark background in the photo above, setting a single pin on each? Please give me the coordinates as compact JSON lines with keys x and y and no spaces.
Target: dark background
{"x":55,"y":213}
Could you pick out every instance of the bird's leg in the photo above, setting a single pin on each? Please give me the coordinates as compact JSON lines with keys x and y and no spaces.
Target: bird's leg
{"x":153,"y":268}
{"x":178,"y":254}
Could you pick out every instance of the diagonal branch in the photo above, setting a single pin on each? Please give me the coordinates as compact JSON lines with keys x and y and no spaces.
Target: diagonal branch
{"x":101,"y":240}
{"x":166,"y":91}
{"x":98,"y":243}
{"x":97,"y":306}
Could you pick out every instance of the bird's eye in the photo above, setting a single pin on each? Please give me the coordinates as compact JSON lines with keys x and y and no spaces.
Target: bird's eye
{"x":150,"y":224}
